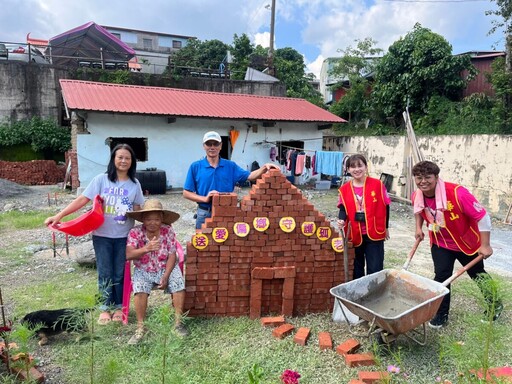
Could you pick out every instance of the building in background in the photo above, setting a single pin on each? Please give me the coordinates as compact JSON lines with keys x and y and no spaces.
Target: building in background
{"x":153,"y":49}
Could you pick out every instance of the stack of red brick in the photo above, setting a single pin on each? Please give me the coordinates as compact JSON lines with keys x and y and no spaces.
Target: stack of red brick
{"x":35,"y":172}
{"x":265,"y":272}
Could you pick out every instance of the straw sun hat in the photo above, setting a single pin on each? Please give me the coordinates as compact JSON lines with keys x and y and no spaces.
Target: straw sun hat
{"x":154,"y":205}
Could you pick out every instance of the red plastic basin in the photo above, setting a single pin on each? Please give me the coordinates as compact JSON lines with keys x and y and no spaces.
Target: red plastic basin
{"x":85,"y":223}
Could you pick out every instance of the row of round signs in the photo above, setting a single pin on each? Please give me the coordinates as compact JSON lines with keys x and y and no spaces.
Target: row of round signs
{"x":261,"y":224}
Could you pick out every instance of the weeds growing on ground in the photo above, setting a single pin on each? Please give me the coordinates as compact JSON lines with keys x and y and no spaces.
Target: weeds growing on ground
{"x":225,"y":350}
{"x":22,"y":220}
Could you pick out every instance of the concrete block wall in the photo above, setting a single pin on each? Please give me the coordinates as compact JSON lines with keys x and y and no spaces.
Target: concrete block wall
{"x":264,"y":272}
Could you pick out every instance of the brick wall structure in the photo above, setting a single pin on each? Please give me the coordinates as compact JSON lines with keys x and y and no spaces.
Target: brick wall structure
{"x":35,"y":172}
{"x":266,"y":271}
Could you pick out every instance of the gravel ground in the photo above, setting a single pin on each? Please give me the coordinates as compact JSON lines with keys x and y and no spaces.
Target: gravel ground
{"x":50,"y":198}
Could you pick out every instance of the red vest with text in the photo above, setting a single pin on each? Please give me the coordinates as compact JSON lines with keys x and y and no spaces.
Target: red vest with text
{"x":461,"y":228}
{"x":374,"y":208}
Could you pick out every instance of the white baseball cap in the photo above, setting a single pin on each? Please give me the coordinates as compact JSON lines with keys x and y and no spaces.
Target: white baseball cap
{"x":212,"y":135}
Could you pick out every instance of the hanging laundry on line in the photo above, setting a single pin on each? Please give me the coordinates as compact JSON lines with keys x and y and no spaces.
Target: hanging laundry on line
{"x":329,"y":163}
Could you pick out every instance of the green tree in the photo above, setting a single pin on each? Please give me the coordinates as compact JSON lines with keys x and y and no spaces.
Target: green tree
{"x":417,"y":67}
{"x":502,"y":82}
{"x":258,"y":59}
{"x":188,"y":56}
{"x":241,"y":49}
{"x":288,"y":62}
{"x":354,"y":68}
{"x":290,"y":69}
{"x":208,"y":54}
{"x":504,"y":13}
{"x":212,"y":53}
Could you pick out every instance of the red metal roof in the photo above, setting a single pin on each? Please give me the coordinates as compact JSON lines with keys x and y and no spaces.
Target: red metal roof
{"x":132,"y":99}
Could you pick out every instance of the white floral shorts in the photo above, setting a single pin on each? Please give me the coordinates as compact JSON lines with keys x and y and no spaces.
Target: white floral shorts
{"x":143,"y":281}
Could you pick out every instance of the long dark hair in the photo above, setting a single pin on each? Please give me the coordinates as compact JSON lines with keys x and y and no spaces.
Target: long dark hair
{"x":111,"y":169}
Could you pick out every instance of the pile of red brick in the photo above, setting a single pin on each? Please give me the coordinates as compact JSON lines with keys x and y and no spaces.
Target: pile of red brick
{"x":35,"y":172}
{"x":348,"y":349}
{"x":268,"y":271}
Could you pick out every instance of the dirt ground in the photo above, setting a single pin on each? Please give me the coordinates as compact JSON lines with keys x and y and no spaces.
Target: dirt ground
{"x":51,"y":199}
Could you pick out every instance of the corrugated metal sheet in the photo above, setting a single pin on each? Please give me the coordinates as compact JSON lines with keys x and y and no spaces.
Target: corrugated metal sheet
{"x":480,"y":84}
{"x":94,"y":96}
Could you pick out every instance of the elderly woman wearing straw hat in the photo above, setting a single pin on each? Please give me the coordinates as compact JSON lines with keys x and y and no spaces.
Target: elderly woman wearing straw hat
{"x":152,"y":247}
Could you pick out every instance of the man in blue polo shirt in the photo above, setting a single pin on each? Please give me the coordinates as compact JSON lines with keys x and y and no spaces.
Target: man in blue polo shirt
{"x":212,"y":175}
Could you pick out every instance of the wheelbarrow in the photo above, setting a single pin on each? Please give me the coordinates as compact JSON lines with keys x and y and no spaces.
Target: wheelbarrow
{"x":395,"y":302}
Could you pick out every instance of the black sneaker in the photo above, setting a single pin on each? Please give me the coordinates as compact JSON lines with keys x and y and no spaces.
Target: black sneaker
{"x":438,"y":321}
{"x":494,"y":311}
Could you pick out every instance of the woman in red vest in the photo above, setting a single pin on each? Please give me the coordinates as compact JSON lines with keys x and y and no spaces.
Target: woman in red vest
{"x":459,"y":229}
{"x":364,"y":205}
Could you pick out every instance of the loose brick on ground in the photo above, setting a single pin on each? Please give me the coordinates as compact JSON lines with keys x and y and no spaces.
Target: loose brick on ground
{"x":503,"y":373}
{"x":272,"y":321}
{"x":324,"y":340}
{"x":33,"y":374}
{"x":282,"y":331}
{"x":348,"y":346}
{"x":302,"y":335}
{"x":359,"y":359}
{"x":373,"y":377}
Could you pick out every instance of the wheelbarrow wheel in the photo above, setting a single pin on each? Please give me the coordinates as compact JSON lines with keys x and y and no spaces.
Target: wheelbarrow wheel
{"x":381,"y":338}
{"x":376,"y":339}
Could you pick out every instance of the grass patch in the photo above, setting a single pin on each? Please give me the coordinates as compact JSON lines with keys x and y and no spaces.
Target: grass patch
{"x":22,"y":220}
{"x":58,"y":290}
{"x":13,"y":256}
{"x":223,"y":350}
{"x":27,"y":220}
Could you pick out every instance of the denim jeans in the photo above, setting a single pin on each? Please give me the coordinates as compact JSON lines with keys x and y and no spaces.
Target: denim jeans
{"x":202,"y":215}
{"x":370,"y":253}
{"x":110,"y":260}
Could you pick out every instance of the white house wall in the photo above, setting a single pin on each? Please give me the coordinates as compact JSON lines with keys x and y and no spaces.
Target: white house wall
{"x":173,"y":147}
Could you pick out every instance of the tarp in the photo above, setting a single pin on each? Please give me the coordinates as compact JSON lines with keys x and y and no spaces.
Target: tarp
{"x":87,"y":43}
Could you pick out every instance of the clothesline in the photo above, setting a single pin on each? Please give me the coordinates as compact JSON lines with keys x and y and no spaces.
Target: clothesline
{"x":301,"y":149}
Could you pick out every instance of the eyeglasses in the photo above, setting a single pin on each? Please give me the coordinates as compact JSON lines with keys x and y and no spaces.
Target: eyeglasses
{"x":424,"y":178}
{"x":212,"y":143}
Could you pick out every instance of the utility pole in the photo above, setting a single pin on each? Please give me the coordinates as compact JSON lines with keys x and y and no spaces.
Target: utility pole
{"x":271,"y":69}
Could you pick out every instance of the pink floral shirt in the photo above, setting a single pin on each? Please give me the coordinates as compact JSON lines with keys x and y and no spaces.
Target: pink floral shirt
{"x":153,"y":261}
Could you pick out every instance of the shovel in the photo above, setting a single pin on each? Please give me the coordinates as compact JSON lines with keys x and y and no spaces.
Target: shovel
{"x":455,"y":275}
{"x":411,"y":254}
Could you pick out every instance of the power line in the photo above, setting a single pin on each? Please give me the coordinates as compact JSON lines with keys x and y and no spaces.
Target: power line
{"x":434,"y":1}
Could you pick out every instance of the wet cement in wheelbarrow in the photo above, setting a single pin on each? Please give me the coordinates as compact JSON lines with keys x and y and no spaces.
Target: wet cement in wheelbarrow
{"x":387,"y":303}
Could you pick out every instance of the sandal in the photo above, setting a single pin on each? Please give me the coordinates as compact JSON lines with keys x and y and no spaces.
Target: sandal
{"x":104,"y":318}
{"x":117,"y":316}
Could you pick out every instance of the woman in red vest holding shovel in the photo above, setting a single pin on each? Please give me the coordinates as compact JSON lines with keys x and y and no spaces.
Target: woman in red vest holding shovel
{"x":364,"y":205}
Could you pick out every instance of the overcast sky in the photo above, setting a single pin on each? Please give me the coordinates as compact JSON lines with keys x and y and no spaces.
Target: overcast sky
{"x":315,"y":28}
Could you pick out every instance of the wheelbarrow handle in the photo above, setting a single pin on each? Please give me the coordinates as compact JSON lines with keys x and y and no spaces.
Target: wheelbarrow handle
{"x":411,"y":254}
{"x":462,"y":270}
